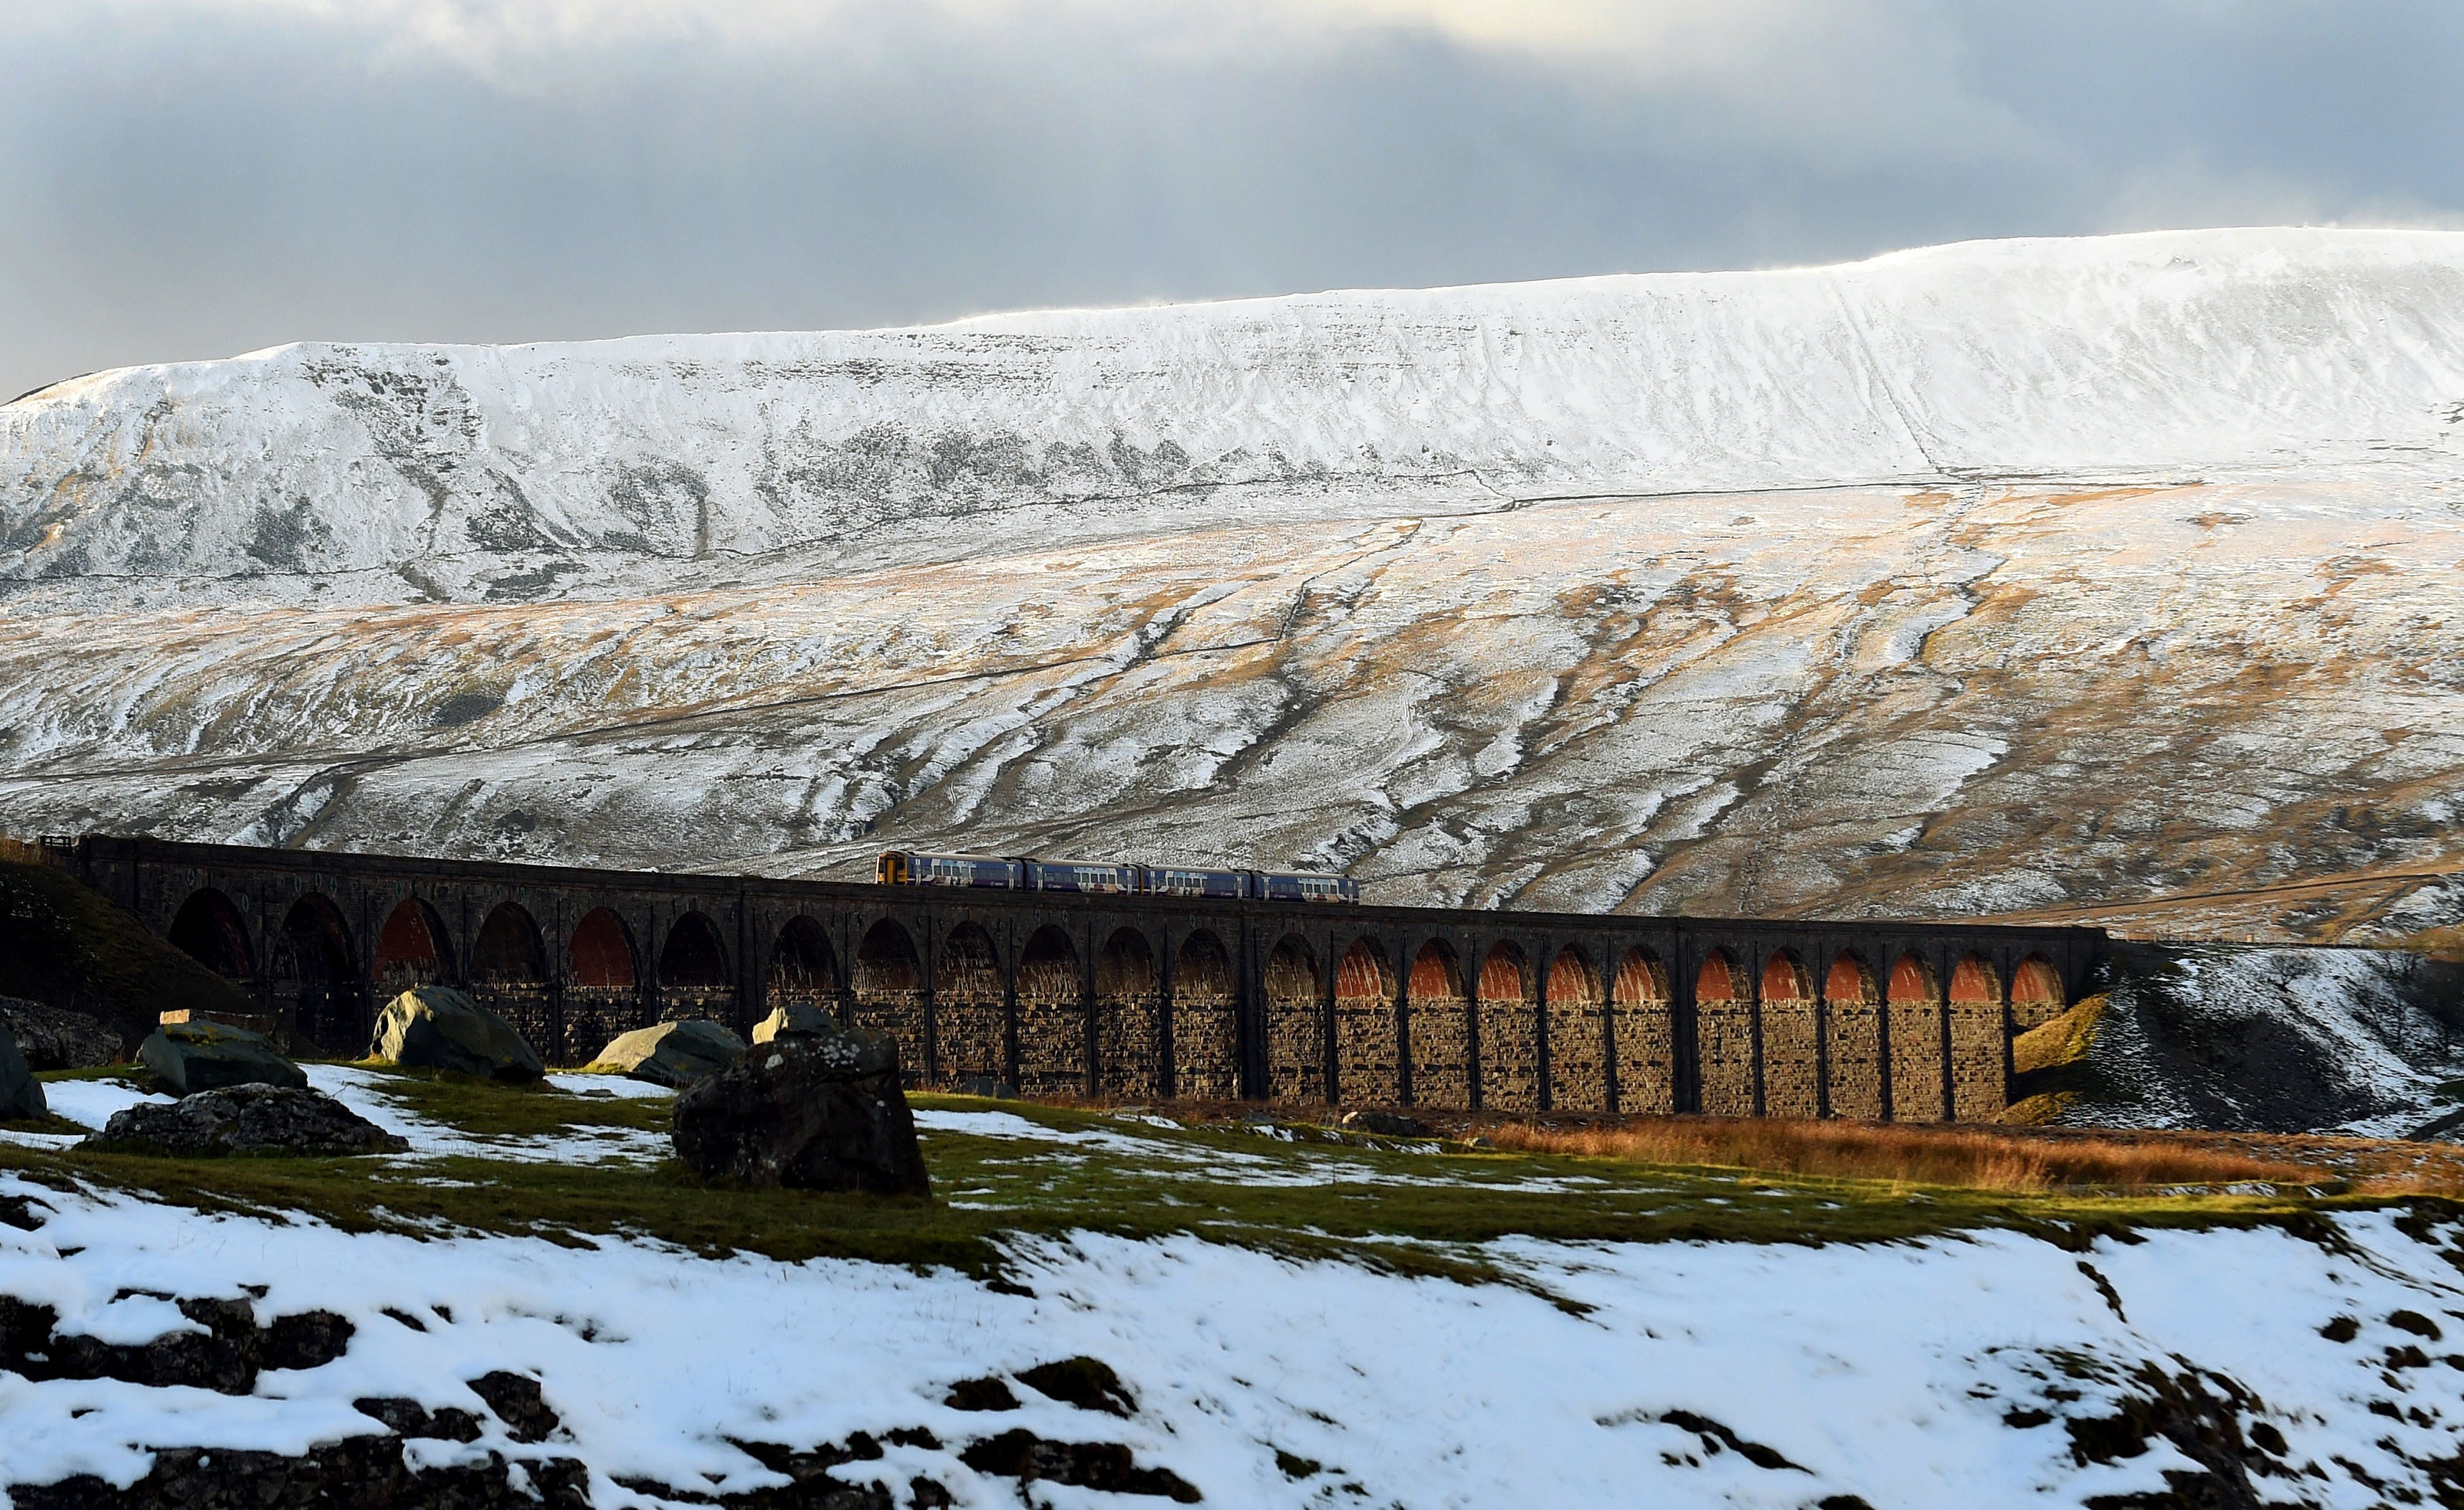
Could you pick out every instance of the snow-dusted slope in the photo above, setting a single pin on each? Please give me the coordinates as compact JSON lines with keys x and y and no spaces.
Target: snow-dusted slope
{"x":2010,"y":575}
{"x":2158,"y":355}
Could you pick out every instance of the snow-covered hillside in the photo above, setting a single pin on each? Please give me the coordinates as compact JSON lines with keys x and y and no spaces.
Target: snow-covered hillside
{"x":2307,"y":1363}
{"x":2031,"y":574}
{"x":2158,"y":355}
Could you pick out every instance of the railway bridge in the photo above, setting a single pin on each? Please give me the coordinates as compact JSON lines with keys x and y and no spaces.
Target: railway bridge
{"x":1144,"y":996}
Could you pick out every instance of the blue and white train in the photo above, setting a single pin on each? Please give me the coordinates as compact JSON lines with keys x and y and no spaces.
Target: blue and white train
{"x":898,"y":867}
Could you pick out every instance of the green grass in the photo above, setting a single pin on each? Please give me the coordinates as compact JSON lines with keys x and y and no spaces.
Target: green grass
{"x":1399,"y":1208}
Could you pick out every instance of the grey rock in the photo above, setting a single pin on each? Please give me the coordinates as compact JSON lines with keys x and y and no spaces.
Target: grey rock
{"x":677,"y":1054}
{"x":795,"y":1019}
{"x":202,"y":1054}
{"x":21,"y":1094}
{"x":437,"y":1027}
{"x":820,"y":1111}
{"x":1385,"y":1124}
{"x":55,"y":1037}
{"x":246,"y":1118}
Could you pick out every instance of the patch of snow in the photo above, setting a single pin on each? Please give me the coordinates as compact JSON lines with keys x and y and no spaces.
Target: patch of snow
{"x":91,"y":1103}
{"x":1893,"y":1373}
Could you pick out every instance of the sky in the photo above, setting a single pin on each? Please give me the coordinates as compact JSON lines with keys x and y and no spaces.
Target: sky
{"x":185,"y":179}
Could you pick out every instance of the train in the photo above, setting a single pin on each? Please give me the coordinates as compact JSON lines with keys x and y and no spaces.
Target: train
{"x":899,"y":867}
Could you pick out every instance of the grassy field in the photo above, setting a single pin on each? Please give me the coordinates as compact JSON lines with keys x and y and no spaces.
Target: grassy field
{"x":1006,"y":1169}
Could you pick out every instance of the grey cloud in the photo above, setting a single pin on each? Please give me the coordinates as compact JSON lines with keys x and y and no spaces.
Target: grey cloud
{"x":183,"y":185}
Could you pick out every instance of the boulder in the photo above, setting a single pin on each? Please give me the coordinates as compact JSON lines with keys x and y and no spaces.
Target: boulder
{"x":437,"y":1027}
{"x":795,"y":1019}
{"x":246,"y":1118}
{"x":55,"y":1037}
{"x":21,"y":1094}
{"x":677,"y":1054}
{"x":810,"y":1112}
{"x":198,"y":1055}
{"x":1385,"y":1124}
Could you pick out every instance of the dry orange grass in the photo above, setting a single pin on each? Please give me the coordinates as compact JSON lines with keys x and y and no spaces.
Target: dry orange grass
{"x":1974,"y":1159}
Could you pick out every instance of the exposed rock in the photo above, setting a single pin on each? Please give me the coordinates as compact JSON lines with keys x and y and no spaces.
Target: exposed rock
{"x":982,"y":1394}
{"x":366,"y":1472}
{"x":1088,"y":1383}
{"x":200,"y":1054}
{"x":55,"y":1037}
{"x":677,"y":1054}
{"x":437,"y":1027}
{"x":795,"y":1019}
{"x":516,"y":1401}
{"x":1022,"y":1454}
{"x":410,"y":1418}
{"x":1386,"y":1124}
{"x":246,"y":1118}
{"x":225,"y":1357}
{"x":21,"y":1094}
{"x":820,"y":1111}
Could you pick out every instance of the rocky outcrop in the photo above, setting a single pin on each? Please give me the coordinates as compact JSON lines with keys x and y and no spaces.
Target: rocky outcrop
{"x":21,"y":1094}
{"x":246,"y":1118}
{"x":795,"y":1019}
{"x":367,"y":1473}
{"x":677,"y":1054}
{"x":224,"y":1350}
{"x":55,"y":1037}
{"x":436,"y":1027}
{"x":820,"y":1111}
{"x":201,"y":1055}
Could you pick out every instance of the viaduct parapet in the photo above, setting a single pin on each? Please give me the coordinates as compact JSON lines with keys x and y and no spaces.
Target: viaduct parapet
{"x":1136,"y":997}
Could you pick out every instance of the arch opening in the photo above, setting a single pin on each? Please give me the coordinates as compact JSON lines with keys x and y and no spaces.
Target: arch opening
{"x":1920,"y":1091}
{"x":603,"y":993}
{"x":208,"y":928}
{"x":1577,"y":1067}
{"x":1438,"y":1019}
{"x":1368,"y":1049}
{"x":1790,"y":1039}
{"x":602,"y":953}
{"x":1980,"y":1040}
{"x":1296,"y":1023}
{"x":1130,"y":1053}
{"x":1206,"y":1021}
{"x":1506,"y":1030}
{"x":509,"y":973}
{"x":2037,"y":994}
{"x":1055,"y":1035}
{"x":694,"y":957}
{"x":317,"y":972}
{"x":889,"y":995}
{"x":508,"y":950}
{"x":804,"y":967}
{"x":1645,"y":1033}
{"x":1724,"y":1036}
{"x":412,"y":949}
{"x":970,"y":1016}
{"x":1851,"y":1019}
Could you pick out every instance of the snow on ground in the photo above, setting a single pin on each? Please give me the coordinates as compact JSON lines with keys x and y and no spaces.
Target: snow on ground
{"x":1905,"y":1374}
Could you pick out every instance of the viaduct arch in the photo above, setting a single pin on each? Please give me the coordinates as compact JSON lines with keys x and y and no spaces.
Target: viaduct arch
{"x":1146,"y":997}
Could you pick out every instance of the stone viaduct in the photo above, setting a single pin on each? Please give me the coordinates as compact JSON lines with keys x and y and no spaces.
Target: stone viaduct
{"x":1136,"y":996}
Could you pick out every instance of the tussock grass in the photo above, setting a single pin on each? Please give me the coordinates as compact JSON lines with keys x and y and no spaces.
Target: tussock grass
{"x":1965,"y":1158}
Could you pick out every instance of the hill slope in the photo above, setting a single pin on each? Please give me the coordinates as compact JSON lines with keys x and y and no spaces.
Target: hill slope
{"x":1999,"y":575}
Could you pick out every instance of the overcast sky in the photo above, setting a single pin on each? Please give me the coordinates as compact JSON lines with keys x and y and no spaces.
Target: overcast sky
{"x":196,"y":178}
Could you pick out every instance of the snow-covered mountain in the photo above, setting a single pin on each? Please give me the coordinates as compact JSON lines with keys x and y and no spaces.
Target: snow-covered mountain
{"x":2016,"y":573}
